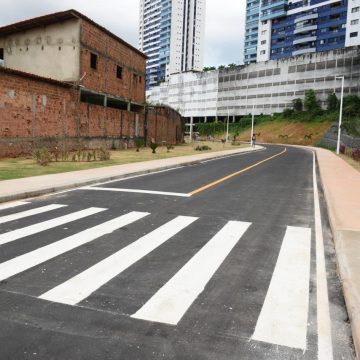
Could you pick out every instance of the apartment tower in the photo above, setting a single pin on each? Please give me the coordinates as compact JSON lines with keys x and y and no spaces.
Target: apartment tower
{"x":278,"y":29}
{"x":171,"y":34}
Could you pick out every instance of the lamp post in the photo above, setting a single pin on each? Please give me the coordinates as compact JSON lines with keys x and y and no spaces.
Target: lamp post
{"x":252,"y":123}
{"x":340,"y":115}
{"x":227,"y":127}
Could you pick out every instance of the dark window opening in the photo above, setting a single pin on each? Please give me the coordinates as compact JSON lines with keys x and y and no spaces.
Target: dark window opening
{"x":1,"y":54}
{"x":93,"y":61}
{"x":119,"y":72}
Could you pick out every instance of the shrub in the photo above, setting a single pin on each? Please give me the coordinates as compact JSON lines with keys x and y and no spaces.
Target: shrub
{"x":332,"y":102}
{"x":103,"y":154}
{"x":287,"y":113}
{"x":342,"y":149}
{"x":153,"y":147}
{"x":297,"y":104}
{"x":139,"y":143}
{"x":202,"y":148}
{"x":310,"y":103}
{"x":42,"y":156}
{"x":169,"y":147}
{"x":356,"y":154}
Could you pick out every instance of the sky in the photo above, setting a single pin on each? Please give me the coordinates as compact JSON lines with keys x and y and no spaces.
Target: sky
{"x":224,"y":31}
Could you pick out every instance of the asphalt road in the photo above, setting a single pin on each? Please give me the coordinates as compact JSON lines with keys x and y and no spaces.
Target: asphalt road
{"x":176,"y":265}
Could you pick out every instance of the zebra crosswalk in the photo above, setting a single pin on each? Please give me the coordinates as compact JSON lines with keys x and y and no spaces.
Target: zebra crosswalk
{"x":172,"y":301}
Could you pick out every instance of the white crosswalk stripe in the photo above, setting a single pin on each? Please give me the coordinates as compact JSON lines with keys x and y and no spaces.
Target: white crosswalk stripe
{"x":23,"y":214}
{"x":81,"y":286}
{"x":12,"y":204}
{"x":36,"y":257}
{"x":46,"y":225}
{"x":283,"y":318}
{"x":171,"y":302}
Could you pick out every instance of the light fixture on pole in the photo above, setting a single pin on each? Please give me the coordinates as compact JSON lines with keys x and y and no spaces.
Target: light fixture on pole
{"x":252,"y":123}
{"x":340,"y":114}
{"x":227,"y":127}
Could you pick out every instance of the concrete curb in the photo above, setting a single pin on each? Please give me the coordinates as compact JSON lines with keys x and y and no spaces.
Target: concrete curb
{"x":98,"y":179}
{"x":347,"y":248}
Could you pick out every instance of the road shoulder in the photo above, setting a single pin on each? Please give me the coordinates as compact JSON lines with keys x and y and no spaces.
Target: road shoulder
{"x":341,"y":184}
{"x":18,"y":189}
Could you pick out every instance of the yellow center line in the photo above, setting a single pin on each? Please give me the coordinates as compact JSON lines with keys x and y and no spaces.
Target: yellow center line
{"x":234,"y":174}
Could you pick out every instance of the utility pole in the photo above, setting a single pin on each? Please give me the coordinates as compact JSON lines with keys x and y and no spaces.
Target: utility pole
{"x":252,"y":123}
{"x":341,"y":110}
{"x":227,"y":127}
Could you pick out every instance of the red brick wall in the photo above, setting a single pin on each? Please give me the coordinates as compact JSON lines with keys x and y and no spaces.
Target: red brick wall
{"x":35,"y":111}
{"x":164,"y":126}
{"x":111,"y":53}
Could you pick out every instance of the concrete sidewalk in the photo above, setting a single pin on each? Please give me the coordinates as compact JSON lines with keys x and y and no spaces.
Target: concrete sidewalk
{"x":17,"y":189}
{"x":341,"y":184}
{"x":340,"y":181}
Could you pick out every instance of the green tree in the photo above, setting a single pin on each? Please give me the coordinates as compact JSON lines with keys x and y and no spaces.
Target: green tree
{"x":351,"y":106}
{"x":297,"y":104}
{"x":332,"y":102}
{"x":310,"y":103}
{"x":221,"y":67}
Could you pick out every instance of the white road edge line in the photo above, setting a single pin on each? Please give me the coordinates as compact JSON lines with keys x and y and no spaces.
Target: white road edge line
{"x":46,"y":225}
{"x":325,"y":349}
{"x":137,"y":176}
{"x":171,"y":302}
{"x":23,"y":214}
{"x":13,"y":204}
{"x":284,"y":315}
{"x":81,"y":286}
{"x":138,"y":191}
{"x":27,"y":261}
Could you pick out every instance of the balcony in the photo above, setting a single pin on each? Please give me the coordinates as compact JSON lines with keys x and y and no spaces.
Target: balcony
{"x":272,"y":15}
{"x":306,"y":17}
{"x":304,"y":40}
{"x":304,"y":51}
{"x":305,"y":28}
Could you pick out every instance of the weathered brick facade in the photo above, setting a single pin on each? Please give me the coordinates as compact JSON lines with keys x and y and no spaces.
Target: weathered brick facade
{"x":37,"y":112}
{"x":103,"y":106}
{"x":110,"y":54}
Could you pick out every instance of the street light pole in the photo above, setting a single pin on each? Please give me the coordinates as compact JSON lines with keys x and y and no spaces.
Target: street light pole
{"x":227,"y":127}
{"x":341,"y":110}
{"x":252,"y":123}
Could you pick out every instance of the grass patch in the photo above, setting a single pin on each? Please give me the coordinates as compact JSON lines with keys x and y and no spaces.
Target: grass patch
{"x":15,"y":168}
{"x":288,"y":132}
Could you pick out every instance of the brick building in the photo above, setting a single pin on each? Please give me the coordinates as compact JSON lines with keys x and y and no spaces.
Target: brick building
{"x":66,"y":79}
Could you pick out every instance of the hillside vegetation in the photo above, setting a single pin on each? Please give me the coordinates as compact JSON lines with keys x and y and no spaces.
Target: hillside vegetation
{"x":303,"y":124}
{"x":287,"y":132}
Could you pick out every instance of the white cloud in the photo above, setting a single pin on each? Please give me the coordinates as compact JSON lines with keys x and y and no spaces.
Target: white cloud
{"x":224,"y":21}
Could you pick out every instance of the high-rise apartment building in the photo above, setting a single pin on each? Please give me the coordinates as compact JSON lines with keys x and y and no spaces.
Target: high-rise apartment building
{"x":171,"y":34}
{"x":280,"y":28}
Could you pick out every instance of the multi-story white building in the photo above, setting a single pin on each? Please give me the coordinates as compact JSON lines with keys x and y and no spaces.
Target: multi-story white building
{"x":263,"y":87}
{"x":171,"y":34}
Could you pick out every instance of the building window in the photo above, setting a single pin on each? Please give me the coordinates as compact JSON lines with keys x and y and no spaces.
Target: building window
{"x":263,"y":42}
{"x":1,"y":56}
{"x":354,"y":22}
{"x":262,"y":52}
{"x":119,"y":72}
{"x":263,"y":32}
{"x":354,"y":34}
{"x":93,"y":61}
{"x":355,"y":9}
